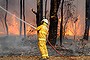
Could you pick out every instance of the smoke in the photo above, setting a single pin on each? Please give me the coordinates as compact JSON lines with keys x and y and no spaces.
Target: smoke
{"x":14,"y":8}
{"x":2,"y":3}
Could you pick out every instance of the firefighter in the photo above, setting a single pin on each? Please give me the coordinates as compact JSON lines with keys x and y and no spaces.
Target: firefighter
{"x":42,"y":32}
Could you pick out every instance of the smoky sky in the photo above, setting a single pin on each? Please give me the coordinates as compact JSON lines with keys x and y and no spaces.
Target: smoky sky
{"x":14,"y":7}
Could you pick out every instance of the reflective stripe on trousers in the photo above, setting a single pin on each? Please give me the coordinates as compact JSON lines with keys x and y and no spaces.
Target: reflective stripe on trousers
{"x":42,"y":39}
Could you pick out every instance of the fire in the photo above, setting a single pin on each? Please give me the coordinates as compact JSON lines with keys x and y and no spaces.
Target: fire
{"x":13,"y":26}
{"x":69,"y":29}
{"x":30,"y":31}
{"x":78,"y":27}
{"x":69,"y":33}
{"x":74,"y":28}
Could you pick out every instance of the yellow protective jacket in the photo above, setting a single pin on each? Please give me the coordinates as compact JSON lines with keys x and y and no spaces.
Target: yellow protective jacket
{"x":42,"y":31}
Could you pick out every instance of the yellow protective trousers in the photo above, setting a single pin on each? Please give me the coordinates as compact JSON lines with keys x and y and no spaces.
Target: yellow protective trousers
{"x":43,"y":48}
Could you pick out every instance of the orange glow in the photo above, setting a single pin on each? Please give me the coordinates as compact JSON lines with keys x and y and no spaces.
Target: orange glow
{"x":69,"y":29}
{"x":30,"y":31}
{"x":78,"y":28}
{"x":59,"y":19}
{"x":69,"y":33}
{"x":74,"y":28}
{"x":1,"y":33}
{"x":13,"y":27}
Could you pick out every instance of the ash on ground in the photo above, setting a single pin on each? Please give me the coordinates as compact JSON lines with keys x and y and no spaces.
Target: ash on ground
{"x":16,"y":45}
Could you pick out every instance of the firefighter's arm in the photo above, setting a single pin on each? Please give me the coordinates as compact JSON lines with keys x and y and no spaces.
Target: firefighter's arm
{"x":38,"y":28}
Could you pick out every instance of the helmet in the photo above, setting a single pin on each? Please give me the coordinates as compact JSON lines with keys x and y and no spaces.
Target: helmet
{"x":45,"y":20}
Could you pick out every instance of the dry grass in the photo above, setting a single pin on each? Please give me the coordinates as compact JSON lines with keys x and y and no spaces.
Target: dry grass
{"x":37,"y":58}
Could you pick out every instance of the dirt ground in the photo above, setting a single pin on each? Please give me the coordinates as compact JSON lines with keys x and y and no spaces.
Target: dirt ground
{"x":51,"y":58}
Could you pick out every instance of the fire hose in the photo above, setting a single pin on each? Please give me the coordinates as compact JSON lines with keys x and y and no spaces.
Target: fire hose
{"x":32,"y":27}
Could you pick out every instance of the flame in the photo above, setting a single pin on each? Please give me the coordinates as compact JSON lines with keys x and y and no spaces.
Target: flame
{"x":74,"y":28}
{"x":78,"y":28}
{"x":13,"y":26}
{"x":69,"y":30}
{"x":30,"y":31}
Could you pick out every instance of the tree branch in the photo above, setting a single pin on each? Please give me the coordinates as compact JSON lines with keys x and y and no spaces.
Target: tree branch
{"x":34,"y":11}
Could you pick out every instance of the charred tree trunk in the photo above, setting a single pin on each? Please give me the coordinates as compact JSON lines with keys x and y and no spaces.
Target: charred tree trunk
{"x":61,"y":24}
{"x":86,"y":33}
{"x":6,"y":17}
{"x":20,"y":17}
{"x":39,"y":11}
{"x":53,"y":21}
{"x":45,"y":8}
{"x":24,"y":17}
{"x":87,"y":22}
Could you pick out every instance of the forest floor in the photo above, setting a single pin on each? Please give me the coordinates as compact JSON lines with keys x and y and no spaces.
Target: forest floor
{"x":19,"y":48}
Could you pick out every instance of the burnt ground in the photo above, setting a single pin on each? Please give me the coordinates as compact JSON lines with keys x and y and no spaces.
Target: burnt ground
{"x":19,"y":48}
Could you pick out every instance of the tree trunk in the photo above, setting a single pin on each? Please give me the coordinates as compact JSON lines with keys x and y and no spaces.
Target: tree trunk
{"x":24,"y":17}
{"x":87,"y":22}
{"x":61,"y":25}
{"x":86,"y":33}
{"x":6,"y":17}
{"x":45,"y":8}
{"x":39,"y":15}
{"x":53,"y":21}
{"x":20,"y":17}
